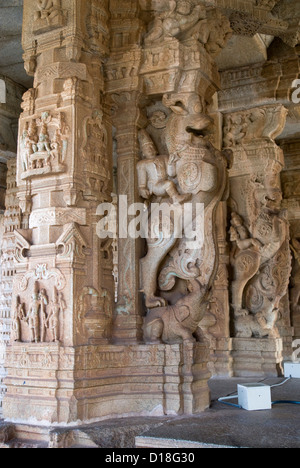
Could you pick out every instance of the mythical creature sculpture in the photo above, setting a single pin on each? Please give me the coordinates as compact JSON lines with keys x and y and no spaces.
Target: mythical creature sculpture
{"x":199,"y":172}
{"x":261,"y":264}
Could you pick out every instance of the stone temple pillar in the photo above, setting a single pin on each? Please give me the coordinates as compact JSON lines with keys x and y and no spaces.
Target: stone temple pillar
{"x":10,"y":213}
{"x":259,"y":228}
{"x":105,"y":70}
{"x":63,"y":293}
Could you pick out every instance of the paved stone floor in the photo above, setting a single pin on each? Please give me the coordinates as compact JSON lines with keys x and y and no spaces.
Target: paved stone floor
{"x":220,"y":426}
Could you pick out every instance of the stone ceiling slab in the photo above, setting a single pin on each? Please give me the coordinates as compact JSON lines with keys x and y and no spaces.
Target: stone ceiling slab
{"x":11,"y":61}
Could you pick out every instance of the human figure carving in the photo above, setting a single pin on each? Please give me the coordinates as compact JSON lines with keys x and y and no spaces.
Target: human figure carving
{"x":180,"y":17}
{"x":17,"y":317}
{"x":47,"y":9}
{"x":295,"y":282}
{"x":33,"y":319}
{"x":53,"y":318}
{"x":245,"y":259}
{"x":43,"y":305}
{"x":154,"y":172}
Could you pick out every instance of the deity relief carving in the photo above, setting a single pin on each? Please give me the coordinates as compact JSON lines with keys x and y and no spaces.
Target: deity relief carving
{"x":18,"y":315}
{"x":176,"y":17}
{"x":48,"y":15}
{"x":242,"y":127}
{"x":155,"y":172}
{"x":39,"y":322}
{"x":43,"y":146}
{"x":185,"y":19}
{"x":193,"y":172}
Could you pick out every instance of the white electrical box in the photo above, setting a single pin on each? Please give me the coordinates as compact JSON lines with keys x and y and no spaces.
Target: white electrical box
{"x":292,"y":369}
{"x":255,"y":397}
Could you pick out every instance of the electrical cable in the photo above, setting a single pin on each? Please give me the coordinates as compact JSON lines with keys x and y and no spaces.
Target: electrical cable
{"x":230,"y":404}
{"x":224,"y":400}
{"x":282,"y":383}
{"x":286,"y":402}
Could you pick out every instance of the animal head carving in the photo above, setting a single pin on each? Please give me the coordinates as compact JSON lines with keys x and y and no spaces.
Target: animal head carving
{"x":187,"y":121}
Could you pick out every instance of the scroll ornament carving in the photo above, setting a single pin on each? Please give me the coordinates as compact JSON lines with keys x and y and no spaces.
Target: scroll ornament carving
{"x":43,"y":146}
{"x":42,"y":272}
{"x":193,"y":172}
{"x":261,"y":264}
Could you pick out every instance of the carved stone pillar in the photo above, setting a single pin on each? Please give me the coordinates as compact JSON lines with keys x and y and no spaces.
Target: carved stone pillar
{"x":11,"y":222}
{"x":68,"y":345}
{"x":124,"y":95}
{"x":259,"y":234}
{"x":180,"y":80}
{"x":10,"y":214}
{"x":127,"y":120}
{"x":63,"y":288}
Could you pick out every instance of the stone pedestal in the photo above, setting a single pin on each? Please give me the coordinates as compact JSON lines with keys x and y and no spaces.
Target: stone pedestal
{"x":257,"y":357}
{"x":89,"y":383}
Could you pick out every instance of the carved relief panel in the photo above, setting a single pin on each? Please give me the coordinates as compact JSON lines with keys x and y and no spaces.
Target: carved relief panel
{"x":38,"y":314}
{"x":43,"y":146}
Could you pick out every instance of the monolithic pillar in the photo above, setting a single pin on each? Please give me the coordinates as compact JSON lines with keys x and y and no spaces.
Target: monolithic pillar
{"x":63,"y":289}
{"x":259,"y":229}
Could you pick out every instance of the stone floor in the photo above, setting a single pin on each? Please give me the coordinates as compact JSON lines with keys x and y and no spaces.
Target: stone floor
{"x":220,"y":426}
{"x":227,"y":426}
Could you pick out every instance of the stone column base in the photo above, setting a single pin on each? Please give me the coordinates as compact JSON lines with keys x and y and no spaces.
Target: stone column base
{"x":52,"y":384}
{"x":257,"y":357}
